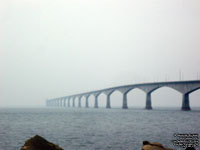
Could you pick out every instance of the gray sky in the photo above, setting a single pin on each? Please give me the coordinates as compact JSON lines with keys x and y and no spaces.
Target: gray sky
{"x":54,"y":48}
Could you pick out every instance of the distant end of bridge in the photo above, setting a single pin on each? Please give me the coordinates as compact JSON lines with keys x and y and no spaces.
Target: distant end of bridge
{"x":184,"y":87}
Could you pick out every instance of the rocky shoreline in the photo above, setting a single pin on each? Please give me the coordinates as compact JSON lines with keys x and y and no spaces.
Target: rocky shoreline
{"x":153,"y":146}
{"x":39,"y":143}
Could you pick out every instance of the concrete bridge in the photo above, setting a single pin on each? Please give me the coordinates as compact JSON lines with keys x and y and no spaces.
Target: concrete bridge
{"x":184,"y":87}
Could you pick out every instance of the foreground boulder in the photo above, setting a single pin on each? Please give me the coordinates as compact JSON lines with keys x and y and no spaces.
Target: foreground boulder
{"x":39,"y":143}
{"x":153,"y":146}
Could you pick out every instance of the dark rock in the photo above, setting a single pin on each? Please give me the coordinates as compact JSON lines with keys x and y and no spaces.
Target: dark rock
{"x":153,"y":146}
{"x":190,"y":148}
{"x":39,"y":143}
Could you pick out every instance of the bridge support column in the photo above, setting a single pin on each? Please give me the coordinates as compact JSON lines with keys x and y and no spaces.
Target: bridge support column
{"x":79,"y":102}
{"x":185,"y":102}
{"x":65,"y":102}
{"x":124,"y":104}
{"x":96,"y":102}
{"x":108,"y":101}
{"x":68,"y":103}
{"x":148,"y":101}
{"x":61,"y":103}
{"x":57,"y":103}
{"x":73,"y":102}
{"x":86,"y":103}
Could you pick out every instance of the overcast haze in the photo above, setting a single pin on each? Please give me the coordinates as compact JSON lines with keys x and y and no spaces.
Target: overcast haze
{"x":54,"y":48}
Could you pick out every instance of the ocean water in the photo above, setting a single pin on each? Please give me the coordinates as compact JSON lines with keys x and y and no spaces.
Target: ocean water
{"x":95,"y":129}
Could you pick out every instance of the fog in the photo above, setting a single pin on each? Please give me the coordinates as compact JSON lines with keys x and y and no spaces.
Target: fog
{"x":57,"y":48}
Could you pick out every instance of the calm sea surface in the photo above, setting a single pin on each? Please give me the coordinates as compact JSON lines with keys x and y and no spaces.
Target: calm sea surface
{"x":93,"y":129}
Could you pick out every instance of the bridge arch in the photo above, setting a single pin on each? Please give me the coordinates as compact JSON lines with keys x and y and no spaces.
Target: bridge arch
{"x":102,"y":100}
{"x":91,"y":100}
{"x":70,"y":102}
{"x":136,"y":98}
{"x":195,"y":98}
{"x":116,"y":98}
{"x":163,"y":86}
{"x":109,"y":92}
{"x":166,"y":96}
{"x":83,"y":101}
{"x":193,"y":90}
{"x":73,"y":101}
{"x":76,"y":101}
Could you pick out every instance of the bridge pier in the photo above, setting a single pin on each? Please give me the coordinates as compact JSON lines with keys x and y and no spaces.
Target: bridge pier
{"x":108,"y":101}
{"x":64,"y":102}
{"x":73,"y":102}
{"x":79,"y":102}
{"x":57,"y":103}
{"x":124,"y":104}
{"x":185,"y":102}
{"x":86,"y":102}
{"x":60,"y":102}
{"x":148,"y":101}
{"x":96,"y":102}
{"x":68,"y":102}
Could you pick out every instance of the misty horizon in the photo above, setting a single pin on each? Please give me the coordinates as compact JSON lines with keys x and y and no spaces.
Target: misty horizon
{"x":52,"y":49}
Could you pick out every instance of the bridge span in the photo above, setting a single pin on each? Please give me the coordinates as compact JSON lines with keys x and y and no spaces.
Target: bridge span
{"x":184,"y":87}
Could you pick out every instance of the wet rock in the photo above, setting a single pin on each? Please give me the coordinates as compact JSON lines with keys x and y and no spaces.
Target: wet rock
{"x":153,"y":146}
{"x":39,"y":143}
